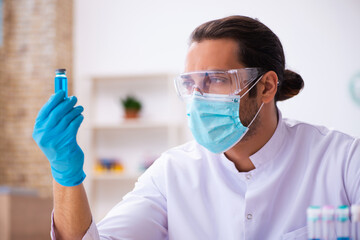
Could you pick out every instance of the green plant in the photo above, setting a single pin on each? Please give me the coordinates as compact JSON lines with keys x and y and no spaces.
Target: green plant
{"x":131,"y":102}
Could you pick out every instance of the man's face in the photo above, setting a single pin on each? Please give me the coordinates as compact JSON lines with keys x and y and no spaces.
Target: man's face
{"x":222,"y":54}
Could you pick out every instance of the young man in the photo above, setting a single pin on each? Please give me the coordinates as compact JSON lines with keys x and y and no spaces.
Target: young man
{"x":250,"y":174}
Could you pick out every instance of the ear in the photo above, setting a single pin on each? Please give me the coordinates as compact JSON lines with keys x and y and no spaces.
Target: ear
{"x":269,"y":83}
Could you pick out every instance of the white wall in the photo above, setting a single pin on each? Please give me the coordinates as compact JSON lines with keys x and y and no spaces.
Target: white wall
{"x":320,"y":38}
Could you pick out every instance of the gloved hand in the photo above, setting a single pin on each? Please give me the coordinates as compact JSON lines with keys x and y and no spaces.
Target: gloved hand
{"x":55,"y":132}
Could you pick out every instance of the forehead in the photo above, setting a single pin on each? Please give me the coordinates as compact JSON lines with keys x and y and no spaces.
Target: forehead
{"x":219,"y":54}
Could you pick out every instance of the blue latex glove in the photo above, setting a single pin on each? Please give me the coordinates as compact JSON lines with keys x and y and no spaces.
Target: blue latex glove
{"x":55,"y":132}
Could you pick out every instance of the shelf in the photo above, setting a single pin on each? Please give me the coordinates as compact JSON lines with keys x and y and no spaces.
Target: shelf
{"x":132,"y":124}
{"x":116,"y":176}
{"x":132,"y":141}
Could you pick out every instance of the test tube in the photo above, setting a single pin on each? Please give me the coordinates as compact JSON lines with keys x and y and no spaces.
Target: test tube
{"x":355,"y":222}
{"x":342,"y":223}
{"x":61,"y":81}
{"x":328,"y":225}
{"x":314,"y":222}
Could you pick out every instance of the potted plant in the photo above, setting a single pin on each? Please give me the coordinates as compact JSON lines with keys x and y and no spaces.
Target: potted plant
{"x":132,"y":106}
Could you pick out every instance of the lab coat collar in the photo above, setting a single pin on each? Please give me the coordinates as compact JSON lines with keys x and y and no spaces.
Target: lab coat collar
{"x":270,"y":150}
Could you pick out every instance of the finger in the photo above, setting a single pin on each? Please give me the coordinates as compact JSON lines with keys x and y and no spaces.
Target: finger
{"x":65,"y":121}
{"x":75,"y":124}
{"x":60,"y":111}
{"x":53,"y":101}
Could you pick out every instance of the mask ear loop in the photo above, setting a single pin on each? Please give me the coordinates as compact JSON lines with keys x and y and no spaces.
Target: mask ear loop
{"x":255,"y":115}
{"x":252,"y":86}
{"x":261,"y":104}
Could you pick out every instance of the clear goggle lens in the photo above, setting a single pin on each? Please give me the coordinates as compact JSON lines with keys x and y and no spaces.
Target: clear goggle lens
{"x":229,"y":82}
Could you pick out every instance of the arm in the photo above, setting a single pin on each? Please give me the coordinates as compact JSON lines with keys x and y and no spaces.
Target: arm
{"x":55,"y":133}
{"x":72,"y":215}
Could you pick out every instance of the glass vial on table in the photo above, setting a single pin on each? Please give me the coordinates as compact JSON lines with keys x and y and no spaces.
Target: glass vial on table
{"x":355,"y":222}
{"x":328,"y":223}
{"x":343,"y":223}
{"x":314,"y":222}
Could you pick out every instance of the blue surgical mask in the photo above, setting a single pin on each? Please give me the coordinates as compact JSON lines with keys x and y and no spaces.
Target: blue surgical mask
{"x":215,"y":122}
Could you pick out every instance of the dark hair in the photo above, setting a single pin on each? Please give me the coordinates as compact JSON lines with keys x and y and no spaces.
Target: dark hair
{"x":258,"y":47}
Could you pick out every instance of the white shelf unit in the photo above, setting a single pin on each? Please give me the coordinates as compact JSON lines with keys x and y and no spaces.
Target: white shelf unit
{"x":161,"y":125}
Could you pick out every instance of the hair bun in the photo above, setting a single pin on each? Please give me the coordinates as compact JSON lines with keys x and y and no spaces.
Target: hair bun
{"x":290,"y":86}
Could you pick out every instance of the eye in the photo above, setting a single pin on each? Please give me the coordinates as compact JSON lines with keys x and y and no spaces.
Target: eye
{"x":188,"y":83}
{"x":218,"y":80}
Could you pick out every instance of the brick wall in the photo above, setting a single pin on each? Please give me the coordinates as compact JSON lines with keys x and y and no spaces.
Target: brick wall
{"x":37,"y":40}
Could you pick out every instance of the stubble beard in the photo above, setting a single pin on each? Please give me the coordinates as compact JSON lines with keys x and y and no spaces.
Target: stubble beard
{"x":247,"y":114}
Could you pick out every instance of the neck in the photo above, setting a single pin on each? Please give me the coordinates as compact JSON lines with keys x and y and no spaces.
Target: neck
{"x":241,"y":152}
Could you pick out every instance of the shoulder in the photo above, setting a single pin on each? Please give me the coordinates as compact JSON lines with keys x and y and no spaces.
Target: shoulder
{"x":188,"y":153}
{"x":320,"y":133}
{"x":190,"y":149}
{"x":173,"y":161}
{"x":319,"y":142}
{"x":183,"y":164}
{"x":327,"y":154}
{"x":185,"y":161}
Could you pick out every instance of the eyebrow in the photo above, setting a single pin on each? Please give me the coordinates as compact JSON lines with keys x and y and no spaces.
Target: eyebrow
{"x":186,"y":76}
{"x":205,"y":71}
{"x":221,"y":70}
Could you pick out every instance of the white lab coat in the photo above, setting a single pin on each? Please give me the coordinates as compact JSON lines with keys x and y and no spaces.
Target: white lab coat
{"x":190,"y":193}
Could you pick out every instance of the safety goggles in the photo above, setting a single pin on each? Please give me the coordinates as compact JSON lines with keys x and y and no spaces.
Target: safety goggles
{"x":230,"y":82}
